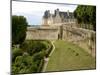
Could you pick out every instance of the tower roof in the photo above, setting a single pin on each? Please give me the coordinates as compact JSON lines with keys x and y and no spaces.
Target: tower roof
{"x":68,"y":14}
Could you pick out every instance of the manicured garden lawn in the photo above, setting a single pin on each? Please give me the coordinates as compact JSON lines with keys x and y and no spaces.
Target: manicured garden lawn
{"x":68,"y":56}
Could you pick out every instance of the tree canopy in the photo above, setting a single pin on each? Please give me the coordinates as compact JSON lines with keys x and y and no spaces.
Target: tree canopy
{"x":19,"y":27}
{"x":86,"y":14}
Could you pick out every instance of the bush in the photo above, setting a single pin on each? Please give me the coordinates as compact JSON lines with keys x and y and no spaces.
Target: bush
{"x":38,"y":56}
{"x":33,"y":46}
{"x":24,"y":64}
{"x":16,"y":52}
{"x":28,"y":56}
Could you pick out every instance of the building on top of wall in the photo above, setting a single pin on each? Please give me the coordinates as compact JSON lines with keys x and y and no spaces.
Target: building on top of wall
{"x":58,"y":18}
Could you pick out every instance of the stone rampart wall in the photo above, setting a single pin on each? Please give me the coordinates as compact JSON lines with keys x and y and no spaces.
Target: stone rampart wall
{"x":42,"y":34}
{"x":83,"y":37}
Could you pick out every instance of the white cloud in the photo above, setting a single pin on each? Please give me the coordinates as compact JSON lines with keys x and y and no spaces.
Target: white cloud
{"x":37,"y":9}
{"x":28,"y":7}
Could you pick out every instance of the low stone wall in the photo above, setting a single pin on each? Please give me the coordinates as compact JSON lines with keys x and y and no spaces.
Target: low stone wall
{"x":42,"y":33}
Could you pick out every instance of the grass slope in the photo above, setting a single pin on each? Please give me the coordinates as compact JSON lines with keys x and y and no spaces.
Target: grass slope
{"x":68,"y":56}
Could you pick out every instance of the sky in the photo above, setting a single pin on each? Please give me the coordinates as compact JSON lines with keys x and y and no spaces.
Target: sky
{"x":34,"y":11}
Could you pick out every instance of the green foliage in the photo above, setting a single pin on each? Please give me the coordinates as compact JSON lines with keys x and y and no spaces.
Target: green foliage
{"x":33,"y":46}
{"x":24,"y":64}
{"x":86,"y":14}
{"x":16,"y":52}
{"x":27,"y":58}
{"x":39,"y":55}
{"x":19,"y":27}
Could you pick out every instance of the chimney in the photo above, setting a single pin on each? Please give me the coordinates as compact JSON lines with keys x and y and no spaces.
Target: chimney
{"x":57,"y":11}
{"x":48,"y":13}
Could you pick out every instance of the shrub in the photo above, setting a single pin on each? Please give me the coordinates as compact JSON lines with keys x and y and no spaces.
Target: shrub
{"x":16,"y":52}
{"x":28,"y":56}
{"x":33,"y":46}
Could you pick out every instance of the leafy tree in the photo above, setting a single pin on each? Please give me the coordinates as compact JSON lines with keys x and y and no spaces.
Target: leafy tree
{"x":19,"y":27}
{"x":86,"y":14}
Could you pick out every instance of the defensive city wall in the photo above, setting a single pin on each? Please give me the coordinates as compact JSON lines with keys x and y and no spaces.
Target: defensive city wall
{"x":83,"y":37}
{"x":63,"y":32}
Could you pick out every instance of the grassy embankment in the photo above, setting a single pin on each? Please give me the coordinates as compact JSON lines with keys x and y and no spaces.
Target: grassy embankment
{"x":68,"y":56}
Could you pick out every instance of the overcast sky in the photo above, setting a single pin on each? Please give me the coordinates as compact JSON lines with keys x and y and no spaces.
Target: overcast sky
{"x":34,"y":11}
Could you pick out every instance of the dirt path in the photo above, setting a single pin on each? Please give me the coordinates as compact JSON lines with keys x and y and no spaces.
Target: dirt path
{"x":47,"y":59}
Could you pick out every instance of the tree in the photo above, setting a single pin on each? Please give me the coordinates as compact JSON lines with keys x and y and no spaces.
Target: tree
{"x":19,"y":27}
{"x":86,"y":14}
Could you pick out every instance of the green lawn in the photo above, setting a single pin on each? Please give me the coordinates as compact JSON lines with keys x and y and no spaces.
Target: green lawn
{"x":68,"y":56}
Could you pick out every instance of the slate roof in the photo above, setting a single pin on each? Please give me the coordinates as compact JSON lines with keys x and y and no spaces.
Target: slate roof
{"x":66,"y":15}
{"x":62,"y":14}
{"x":46,"y":14}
